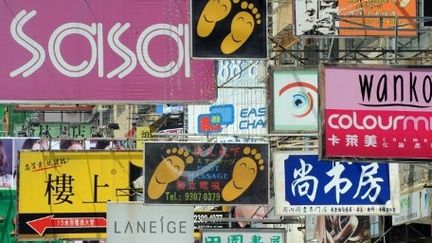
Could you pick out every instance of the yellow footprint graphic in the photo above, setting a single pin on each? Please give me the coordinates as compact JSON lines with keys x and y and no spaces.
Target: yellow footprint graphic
{"x":168,"y":170}
{"x":242,"y":27}
{"x":244,"y":173}
{"x":214,"y":11}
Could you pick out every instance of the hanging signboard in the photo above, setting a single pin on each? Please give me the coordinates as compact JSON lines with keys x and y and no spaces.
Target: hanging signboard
{"x":376,"y":112}
{"x":64,"y":195}
{"x":229,"y":29}
{"x":90,"y":51}
{"x":294,"y":100}
{"x":206,"y":173}
{"x":355,"y":18}
{"x":305,"y":185}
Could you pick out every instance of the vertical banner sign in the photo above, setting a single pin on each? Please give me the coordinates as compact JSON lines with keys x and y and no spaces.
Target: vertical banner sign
{"x":206,"y":173}
{"x":7,"y":162}
{"x":64,"y":195}
{"x":294,"y":100}
{"x":427,"y":12}
{"x":305,"y":185}
{"x":376,"y":112}
{"x":100,"y":50}
{"x":355,"y":17}
{"x":229,"y":29}
{"x":136,"y":223}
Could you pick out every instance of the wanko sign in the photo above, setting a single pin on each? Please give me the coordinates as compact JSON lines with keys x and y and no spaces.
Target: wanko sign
{"x":376,"y":112}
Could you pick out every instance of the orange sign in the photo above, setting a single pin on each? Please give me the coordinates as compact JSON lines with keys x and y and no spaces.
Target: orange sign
{"x":377,"y":17}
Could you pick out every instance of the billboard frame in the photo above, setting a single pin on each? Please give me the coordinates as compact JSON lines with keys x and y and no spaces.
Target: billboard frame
{"x":271,"y":105}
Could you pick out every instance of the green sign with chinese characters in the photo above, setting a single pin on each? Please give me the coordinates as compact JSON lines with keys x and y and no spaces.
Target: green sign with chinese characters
{"x":243,"y":235}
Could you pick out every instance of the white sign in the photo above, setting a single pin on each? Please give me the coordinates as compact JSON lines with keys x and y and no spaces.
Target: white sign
{"x":409,"y":209}
{"x":244,"y":235}
{"x":134,"y":222}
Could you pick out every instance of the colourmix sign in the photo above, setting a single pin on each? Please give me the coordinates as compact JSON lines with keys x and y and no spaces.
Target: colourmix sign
{"x":376,"y":112}
{"x":100,"y":51}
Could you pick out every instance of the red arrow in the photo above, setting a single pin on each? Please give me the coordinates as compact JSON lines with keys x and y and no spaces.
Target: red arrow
{"x":41,"y":224}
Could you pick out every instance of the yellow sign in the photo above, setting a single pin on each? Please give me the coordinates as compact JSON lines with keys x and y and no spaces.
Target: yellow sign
{"x":64,"y":195}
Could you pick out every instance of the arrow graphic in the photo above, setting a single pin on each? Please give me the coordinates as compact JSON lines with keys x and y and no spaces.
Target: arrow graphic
{"x":41,"y":224}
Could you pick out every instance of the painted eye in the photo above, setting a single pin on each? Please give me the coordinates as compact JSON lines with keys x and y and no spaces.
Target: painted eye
{"x":301,"y":97}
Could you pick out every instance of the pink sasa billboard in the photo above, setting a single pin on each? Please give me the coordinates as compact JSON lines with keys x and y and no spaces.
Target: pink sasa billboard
{"x":78,"y":51}
{"x":376,"y":112}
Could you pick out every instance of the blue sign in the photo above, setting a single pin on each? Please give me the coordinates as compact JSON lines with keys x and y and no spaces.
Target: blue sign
{"x":315,"y":182}
{"x":340,"y":187}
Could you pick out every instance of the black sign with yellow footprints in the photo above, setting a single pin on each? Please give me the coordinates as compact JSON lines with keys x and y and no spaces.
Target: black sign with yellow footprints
{"x":229,"y":28}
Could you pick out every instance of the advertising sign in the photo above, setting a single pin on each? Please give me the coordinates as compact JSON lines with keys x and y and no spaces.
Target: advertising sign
{"x":376,"y":112}
{"x":136,"y":223}
{"x":55,"y":130}
{"x":305,"y":185}
{"x":241,"y":104}
{"x":229,"y":29}
{"x":340,"y":228}
{"x":7,"y":164}
{"x":355,"y":17}
{"x":206,"y":173}
{"x":200,"y":220}
{"x":64,"y":195}
{"x":409,"y":209}
{"x":294,"y":100}
{"x":244,"y":235}
{"x":89,"y":51}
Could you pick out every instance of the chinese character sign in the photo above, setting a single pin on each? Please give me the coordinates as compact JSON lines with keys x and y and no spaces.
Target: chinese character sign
{"x":306,"y":185}
{"x":244,"y":235}
{"x":63,"y":195}
{"x":206,"y":173}
{"x":376,"y":112}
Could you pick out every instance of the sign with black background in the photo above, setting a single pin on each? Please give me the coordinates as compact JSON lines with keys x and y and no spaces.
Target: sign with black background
{"x":427,"y":12}
{"x":206,"y":173}
{"x":229,"y":29}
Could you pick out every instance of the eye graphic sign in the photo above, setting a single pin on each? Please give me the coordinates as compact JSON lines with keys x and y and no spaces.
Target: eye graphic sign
{"x":294,"y":100}
{"x":305,"y":185}
{"x":229,"y":29}
{"x":64,"y":195}
{"x":206,"y":173}
{"x":376,"y":112}
{"x":90,"y":51}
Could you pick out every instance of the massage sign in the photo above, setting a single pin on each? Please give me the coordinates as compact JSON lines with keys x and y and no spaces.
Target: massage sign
{"x":376,"y":112}
{"x":206,"y":173}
